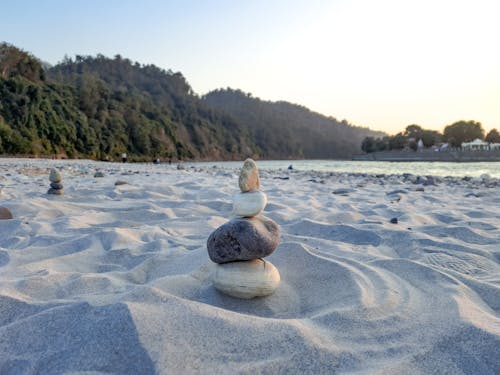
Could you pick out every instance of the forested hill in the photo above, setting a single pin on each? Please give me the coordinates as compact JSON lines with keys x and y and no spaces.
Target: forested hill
{"x":281,"y":128}
{"x":146,"y":111}
{"x":99,"y":107}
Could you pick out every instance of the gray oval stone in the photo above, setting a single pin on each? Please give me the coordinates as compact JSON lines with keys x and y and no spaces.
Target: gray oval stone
{"x":243,"y":239}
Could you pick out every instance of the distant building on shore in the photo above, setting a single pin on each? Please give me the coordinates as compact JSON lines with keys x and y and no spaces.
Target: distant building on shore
{"x":494,"y":146}
{"x":476,"y":145}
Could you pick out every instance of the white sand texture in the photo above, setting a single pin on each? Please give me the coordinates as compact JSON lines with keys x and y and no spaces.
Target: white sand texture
{"x":112,"y":279}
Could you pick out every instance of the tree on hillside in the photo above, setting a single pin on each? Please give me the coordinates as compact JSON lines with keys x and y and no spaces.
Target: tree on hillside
{"x":16,"y":62}
{"x":368,"y":145}
{"x":397,"y":142}
{"x":286,"y":130}
{"x":431,"y":137}
{"x":413,"y":131}
{"x":463,"y":131}
{"x":493,"y":136}
{"x":428,"y":137}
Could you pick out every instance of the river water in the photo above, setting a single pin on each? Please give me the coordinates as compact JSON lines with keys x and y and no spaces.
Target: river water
{"x":374,"y":167}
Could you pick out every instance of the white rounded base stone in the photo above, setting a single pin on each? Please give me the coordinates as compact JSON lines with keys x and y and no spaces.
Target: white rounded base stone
{"x":246,"y":279}
{"x":249,"y":204}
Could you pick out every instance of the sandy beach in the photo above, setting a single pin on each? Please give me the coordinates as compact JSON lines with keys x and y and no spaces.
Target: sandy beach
{"x":379,"y":275}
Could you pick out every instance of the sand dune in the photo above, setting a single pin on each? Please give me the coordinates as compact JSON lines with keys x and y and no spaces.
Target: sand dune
{"x":116,"y":279}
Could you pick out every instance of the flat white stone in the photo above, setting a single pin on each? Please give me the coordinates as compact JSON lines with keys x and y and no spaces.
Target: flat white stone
{"x":250,"y":203}
{"x":249,"y":176}
{"x":246,"y":279}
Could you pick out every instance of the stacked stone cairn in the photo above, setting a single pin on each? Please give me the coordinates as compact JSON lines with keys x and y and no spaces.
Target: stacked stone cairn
{"x":238,"y":246}
{"x":56,"y":186}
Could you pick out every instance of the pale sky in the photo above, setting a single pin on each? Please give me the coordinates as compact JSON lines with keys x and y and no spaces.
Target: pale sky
{"x":383,"y":64}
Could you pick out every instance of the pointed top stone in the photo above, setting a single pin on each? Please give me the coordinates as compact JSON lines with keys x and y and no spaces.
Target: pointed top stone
{"x":249,"y":176}
{"x":55,"y":176}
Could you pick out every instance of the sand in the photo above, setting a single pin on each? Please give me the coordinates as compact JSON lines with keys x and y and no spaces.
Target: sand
{"x":116,"y":279}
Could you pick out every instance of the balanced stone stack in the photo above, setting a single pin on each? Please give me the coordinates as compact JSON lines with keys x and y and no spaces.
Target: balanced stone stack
{"x":56,"y":186}
{"x":238,"y":246}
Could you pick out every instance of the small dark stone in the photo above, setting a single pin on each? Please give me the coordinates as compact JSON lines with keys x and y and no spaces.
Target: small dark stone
{"x":429,"y":181}
{"x":472,"y":195}
{"x":343,"y":191}
{"x":395,"y":198}
{"x":243,"y":239}
{"x":56,"y":185}
{"x":420,"y":180}
{"x":99,"y":174}
{"x":399,"y":191}
{"x":394,"y":220}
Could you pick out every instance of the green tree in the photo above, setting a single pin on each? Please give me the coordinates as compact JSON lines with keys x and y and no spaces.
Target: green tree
{"x":382,"y":144}
{"x":413,"y":131}
{"x":397,"y":142}
{"x":431,"y":137}
{"x":463,"y":131}
{"x":16,"y":62}
{"x":493,"y":136}
{"x":368,"y":145}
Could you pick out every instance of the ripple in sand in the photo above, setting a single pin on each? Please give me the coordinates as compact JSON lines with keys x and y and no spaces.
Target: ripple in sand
{"x":459,"y":233}
{"x":342,"y":233}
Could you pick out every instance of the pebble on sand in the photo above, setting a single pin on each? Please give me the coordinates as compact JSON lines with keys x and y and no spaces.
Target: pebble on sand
{"x":5,"y":214}
{"x":343,"y":191}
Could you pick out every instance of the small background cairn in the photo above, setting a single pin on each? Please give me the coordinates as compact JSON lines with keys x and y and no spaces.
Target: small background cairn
{"x":238,"y":246}
{"x":56,"y":186}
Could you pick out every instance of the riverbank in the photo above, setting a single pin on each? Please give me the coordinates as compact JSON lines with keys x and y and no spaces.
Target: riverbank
{"x":430,"y":155}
